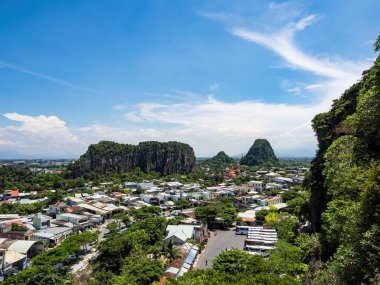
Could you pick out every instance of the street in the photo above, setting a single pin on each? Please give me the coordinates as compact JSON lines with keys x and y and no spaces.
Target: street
{"x":83,"y":261}
{"x":217,"y":244}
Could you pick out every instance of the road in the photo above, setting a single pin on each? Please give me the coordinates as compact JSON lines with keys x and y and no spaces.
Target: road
{"x":84,"y":260}
{"x":218,"y":243}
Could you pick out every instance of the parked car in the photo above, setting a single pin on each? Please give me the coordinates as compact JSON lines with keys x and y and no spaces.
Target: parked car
{"x":70,"y":259}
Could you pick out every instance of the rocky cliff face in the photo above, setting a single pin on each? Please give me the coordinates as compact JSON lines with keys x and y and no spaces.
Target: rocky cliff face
{"x":260,"y":153}
{"x":165,"y":158}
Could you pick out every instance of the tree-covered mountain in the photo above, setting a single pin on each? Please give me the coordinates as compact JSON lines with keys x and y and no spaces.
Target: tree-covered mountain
{"x":111,"y":157}
{"x":345,"y":184}
{"x":260,"y":153}
{"x":219,"y":161}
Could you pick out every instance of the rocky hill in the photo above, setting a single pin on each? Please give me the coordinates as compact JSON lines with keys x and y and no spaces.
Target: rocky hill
{"x":345,"y":186}
{"x":165,"y":158}
{"x":260,"y":153}
{"x":219,"y":161}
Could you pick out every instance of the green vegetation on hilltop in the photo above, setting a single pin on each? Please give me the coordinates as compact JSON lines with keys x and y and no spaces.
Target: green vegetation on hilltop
{"x":260,"y":154}
{"x":219,"y":162}
{"x":110,"y":157}
{"x":345,"y":186}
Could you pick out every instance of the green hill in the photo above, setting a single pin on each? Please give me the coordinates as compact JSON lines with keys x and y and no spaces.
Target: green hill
{"x":219,"y":161}
{"x":345,"y":184}
{"x":165,"y":158}
{"x":260,"y":153}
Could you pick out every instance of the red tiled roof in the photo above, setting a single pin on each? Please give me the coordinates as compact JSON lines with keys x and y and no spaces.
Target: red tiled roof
{"x":15,"y":193}
{"x":19,"y":222}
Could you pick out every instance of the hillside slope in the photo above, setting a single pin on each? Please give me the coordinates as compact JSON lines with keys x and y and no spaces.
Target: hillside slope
{"x":345,"y":184}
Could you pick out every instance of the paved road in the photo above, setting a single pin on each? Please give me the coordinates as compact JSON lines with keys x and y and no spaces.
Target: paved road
{"x":83,"y":262}
{"x":219,"y":243}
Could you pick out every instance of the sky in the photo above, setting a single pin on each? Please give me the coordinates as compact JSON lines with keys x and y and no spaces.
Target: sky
{"x":214,"y":74}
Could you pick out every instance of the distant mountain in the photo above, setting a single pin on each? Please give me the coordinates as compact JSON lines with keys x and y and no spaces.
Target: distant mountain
{"x":260,"y":153}
{"x":165,"y":158}
{"x":219,"y":160}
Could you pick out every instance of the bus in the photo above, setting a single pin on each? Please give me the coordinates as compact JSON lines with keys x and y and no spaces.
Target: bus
{"x":242,"y":230}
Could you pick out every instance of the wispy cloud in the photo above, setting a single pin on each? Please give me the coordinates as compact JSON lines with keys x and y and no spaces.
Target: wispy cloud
{"x":65,"y":83}
{"x":177,"y":95}
{"x":119,"y":107}
{"x":282,"y":43}
{"x":213,"y":87}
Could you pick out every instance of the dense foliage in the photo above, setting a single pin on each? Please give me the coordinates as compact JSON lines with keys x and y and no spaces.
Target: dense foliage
{"x":132,"y":256}
{"x":284,"y":266}
{"x":224,"y":213}
{"x":345,"y":186}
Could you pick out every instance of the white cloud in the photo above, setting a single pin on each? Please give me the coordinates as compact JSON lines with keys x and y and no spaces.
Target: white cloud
{"x":41,"y":134}
{"x":214,"y":125}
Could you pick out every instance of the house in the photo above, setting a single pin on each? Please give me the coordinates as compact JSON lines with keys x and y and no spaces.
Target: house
{"x":271,"y":175}
{"x":283,"y":181}
{"x":149,"y":198}
{"x":258,"y":186}
{"x":179,"y":234}
{"x":72,"y":201}
{"x":14,"y":229}
{"x":57,"y":208}
{"x":41,"y":221}
{"x":52,"y":235}
{"x":11,"y":194}
{"x":71,"y":218}
{"x":29,"y":248}
{"x":11,"y":259}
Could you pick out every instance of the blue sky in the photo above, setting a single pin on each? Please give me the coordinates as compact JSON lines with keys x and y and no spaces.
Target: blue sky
{"x":214,"y":74}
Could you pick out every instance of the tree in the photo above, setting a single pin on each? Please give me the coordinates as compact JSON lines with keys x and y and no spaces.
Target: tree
{"x":289,"y":195}
{"x":287,"y":259}
{"x":182,"y":204}
{"x":121,"y":217}
{"x":113,"y":250}
{"x":237,"y":262}
{"x":310,"y":246}
{"x":339,"y":222}
{"x":113,"y":227}
{"x":287,"y":227}
{"x":140,"y":270}
{"x":260,"y":215}
{"x":145,"y":212}
{"x":227,"y":213}
{"x":206,"y":214}
{"x":271,"y":218}
{"x":154,"y":227}
{"x":377,"y":44}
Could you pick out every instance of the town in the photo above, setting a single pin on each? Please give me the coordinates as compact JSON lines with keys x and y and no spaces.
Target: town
{"x":201,"y":218}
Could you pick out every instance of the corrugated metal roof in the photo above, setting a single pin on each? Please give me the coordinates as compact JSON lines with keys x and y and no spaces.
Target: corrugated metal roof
{"x":22,"y":246}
